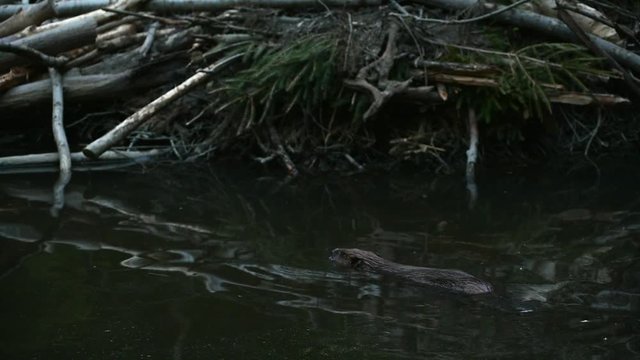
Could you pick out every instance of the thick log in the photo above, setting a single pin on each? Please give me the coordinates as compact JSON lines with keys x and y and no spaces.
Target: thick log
{"x":59,"y":39}
{"x":75,"y":87}
{"x":76,"y":7}
{"x":34,"y":15}
{"x":91,"y":87}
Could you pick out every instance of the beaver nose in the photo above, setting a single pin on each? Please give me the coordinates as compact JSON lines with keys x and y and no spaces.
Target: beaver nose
{"x":334,"y":254}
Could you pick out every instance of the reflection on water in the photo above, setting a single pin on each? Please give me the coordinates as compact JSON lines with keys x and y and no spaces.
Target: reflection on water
{"x":194,"y":263}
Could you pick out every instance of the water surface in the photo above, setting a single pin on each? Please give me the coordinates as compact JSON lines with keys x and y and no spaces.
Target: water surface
{"x":201,"y":263}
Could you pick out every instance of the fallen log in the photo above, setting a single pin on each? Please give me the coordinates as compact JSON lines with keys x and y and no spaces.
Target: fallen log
{"x":91,"y":87}
{"x":34,"y":15}
{"x":75,"y":87}
{"x":59,"y":39}
{"x":75,"y":7}
{"x":48,"y":162}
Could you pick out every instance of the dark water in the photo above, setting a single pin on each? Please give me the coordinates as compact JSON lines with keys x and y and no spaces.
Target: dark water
{"x":195,"y":263}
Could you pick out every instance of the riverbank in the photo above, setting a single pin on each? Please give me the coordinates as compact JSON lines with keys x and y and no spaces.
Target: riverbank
{"x":345,"y":86}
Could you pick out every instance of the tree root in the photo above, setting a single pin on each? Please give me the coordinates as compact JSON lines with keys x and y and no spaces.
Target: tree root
{"x":386,"y":88}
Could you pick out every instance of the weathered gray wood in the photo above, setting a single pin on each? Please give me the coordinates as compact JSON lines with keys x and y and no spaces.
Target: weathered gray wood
{"x":75,"y":87}
{"x":34,"y":15}
{"x":48,"y":162}
{"x":79,"y":86}
{"x":74,"y":35}
{"x":60,"y":137}
{"x":75,"y":7}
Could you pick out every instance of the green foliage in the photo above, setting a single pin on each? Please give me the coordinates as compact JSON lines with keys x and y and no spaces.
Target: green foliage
{"x":526,"y":78}
{"x":280,"y":79}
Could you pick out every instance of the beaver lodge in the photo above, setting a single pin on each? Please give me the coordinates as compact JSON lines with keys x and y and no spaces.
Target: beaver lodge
{"x":312,"y":86}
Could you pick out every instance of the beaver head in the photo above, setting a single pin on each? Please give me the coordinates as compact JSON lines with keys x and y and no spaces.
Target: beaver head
{"x":355,"y":258}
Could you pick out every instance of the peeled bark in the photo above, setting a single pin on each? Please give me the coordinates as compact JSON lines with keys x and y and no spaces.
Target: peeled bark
{"x":60,"y":137}
{"x":117,"y":134}
{"x":36,"y":163}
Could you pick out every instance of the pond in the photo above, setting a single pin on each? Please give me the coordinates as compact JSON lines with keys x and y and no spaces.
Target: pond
{"x":194,"y":262}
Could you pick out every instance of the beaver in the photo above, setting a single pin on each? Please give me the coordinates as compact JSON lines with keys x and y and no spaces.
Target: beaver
{"x":446,"y":279}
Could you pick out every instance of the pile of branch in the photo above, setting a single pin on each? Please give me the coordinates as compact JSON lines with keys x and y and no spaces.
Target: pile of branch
{"x":79,"y":51}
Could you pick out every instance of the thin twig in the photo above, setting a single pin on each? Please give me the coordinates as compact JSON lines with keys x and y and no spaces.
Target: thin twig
{"x":147,"y":16}
{"x":593,"y":133}
{"x":465,"y":21}
{"x":280,"y":150}
{"x":31,"y":53}
{"x":348,"y":48}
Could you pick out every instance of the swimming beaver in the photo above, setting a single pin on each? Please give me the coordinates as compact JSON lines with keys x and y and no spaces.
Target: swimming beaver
{"x":452,"y":280}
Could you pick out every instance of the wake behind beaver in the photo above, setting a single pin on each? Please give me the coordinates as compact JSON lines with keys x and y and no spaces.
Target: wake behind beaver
{"x":446,"y":279}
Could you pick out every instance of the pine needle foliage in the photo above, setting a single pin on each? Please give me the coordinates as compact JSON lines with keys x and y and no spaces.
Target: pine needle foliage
{"x":527,"y":77}
{"x":300,"y":77}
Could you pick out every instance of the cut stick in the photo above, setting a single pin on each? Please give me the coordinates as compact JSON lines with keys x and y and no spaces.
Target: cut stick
{"x":117,"y":134}
{"x":60,"y":137}
{"x":78,"y":159}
